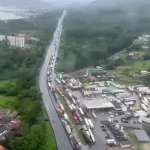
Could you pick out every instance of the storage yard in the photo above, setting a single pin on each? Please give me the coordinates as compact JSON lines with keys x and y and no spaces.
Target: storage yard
{"x":103,"y":111}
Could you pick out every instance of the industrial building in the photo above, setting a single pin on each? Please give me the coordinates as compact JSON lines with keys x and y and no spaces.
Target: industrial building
{"x":96,"y":71}
{"x":97,"y":104}
{"x":142,"y":136}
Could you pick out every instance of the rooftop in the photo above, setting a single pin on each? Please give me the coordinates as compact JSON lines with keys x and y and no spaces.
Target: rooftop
{"x":141,"y":135}
{"x":116,"y":105}
{"x":95,"y":104}
{"x":118,"y":135}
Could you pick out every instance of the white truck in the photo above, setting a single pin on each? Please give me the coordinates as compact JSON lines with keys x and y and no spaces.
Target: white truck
{"x":91,"y":124}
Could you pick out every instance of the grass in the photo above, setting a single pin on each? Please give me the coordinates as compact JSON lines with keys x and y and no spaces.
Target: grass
{"x":7,"y":101}
{"x":138,"y":53}
{"x":123,"y":72}
{"x":50,"y":137}
{"x":133,"y":67}
{"x":4,"y":82}
{"x":34,"y":33}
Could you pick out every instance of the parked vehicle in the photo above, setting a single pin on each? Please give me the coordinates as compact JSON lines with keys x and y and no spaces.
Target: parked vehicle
{"x":86,"y":122}
{"x":94,"y":116}
{"x":92,"y":136}
{"x":86,"y":136}
{"x":91,"y":123}
{"x":68,"y":129}
{"x":81,"y":111}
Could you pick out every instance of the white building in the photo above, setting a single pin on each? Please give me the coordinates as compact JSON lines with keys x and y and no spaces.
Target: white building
{"x":16,"y":41}
{"x":20,"y":42}
{"x":11,"y":40}
{"x":2,"y":37}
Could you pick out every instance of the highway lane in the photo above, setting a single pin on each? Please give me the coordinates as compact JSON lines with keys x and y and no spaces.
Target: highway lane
{"x":60,"y":134}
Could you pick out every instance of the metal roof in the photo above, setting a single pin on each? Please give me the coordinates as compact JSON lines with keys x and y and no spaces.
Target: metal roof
{"x":95,"y":104}
{"x":141,"y":135}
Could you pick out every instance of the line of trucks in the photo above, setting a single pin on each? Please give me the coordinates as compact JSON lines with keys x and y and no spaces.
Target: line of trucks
{"x":67,"y":124}
{"x":78,"y":115}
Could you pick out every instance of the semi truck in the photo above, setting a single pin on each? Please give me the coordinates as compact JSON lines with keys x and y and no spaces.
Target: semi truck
{"x":91,"y":123}
{"x":86,"y":136}
{"x":86,"y":122}
{"x":81,"y":111}
{"x":92,"y":136}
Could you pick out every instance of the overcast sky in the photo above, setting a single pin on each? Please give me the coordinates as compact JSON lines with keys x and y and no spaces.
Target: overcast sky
{"x":64,"y":2}
{"x":103,"y":3}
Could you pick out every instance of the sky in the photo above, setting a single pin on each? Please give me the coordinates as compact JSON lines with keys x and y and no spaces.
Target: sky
{"x":66,"y":2}
{"x":103,"y":3}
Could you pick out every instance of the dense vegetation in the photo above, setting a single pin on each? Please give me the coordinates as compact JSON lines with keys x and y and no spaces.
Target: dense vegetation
{"x":19,"y":70}
{"x":92,"y":36}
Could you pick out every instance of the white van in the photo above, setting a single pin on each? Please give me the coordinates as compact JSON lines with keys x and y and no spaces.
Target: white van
{"x":94,"y":116}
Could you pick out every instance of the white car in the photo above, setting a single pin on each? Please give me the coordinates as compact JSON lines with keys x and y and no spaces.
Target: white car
{"x":112,"y":116}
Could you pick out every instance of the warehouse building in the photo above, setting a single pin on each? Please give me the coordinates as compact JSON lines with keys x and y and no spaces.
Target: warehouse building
{"x":97,"y":104}
{"x":142,"y":136}
{"x":96,"y":71}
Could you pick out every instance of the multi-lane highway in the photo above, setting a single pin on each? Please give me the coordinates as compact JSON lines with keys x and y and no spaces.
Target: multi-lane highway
{"x":48,"y":100}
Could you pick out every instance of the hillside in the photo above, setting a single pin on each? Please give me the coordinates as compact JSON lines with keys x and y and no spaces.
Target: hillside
{"x":90,"y":37}
{"x":125,"y":5}
{"x":25,"y":3}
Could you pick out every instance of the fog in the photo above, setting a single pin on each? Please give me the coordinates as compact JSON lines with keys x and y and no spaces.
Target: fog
{"x":102,"y":3}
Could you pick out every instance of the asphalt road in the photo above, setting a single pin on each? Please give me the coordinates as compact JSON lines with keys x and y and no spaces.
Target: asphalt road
{"x":48,"y":100}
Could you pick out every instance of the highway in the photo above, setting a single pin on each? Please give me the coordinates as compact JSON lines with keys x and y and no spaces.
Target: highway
{"x":48,"y":99}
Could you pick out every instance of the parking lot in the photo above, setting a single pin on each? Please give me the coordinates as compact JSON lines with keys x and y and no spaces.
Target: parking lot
{"x":113,"y":106}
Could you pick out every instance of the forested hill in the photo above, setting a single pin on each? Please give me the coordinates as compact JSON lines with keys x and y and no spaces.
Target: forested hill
{"x":24,"y":3}
{"x":92,"y":36}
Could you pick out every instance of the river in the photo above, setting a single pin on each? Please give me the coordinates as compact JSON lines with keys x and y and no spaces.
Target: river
{"x":8,"y":15}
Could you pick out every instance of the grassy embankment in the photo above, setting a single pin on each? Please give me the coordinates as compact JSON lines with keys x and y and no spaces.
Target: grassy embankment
{"x":50,"y":138}
{"x":124,"y":73}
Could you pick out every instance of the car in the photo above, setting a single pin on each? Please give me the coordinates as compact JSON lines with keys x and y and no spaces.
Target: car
{"x":112,"y":116}
{"x":103,"y":129}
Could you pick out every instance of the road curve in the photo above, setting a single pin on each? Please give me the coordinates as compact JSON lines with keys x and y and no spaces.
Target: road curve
{"x":60,"y":134}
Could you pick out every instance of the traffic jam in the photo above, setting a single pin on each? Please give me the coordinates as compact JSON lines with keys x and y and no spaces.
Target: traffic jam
{"x":52,"y":59}
{"x":61,"y":111}
{"x":78,"y":114}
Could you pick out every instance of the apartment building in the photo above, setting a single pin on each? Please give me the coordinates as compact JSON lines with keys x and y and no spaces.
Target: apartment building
{"x":11,"y":40}
{"x":20,"y":41}
{"x":2,"y":37}
{"x":16,"y":41}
